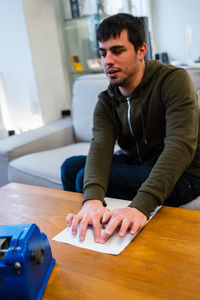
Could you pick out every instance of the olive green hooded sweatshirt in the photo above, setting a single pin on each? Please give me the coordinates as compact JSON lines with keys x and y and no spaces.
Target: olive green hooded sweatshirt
{"x":158,"y":124}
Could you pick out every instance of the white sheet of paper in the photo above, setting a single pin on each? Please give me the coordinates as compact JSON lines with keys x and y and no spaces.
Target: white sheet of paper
{"x":114,"y":245}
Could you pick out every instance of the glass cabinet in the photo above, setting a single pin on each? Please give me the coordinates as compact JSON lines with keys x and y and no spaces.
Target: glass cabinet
{"x":80,"y":19}
{"x":82,"y":45}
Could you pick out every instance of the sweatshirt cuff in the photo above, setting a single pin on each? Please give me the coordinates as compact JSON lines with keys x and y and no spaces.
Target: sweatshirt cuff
{"x":145,"y":203}
{"x":94,"y":192}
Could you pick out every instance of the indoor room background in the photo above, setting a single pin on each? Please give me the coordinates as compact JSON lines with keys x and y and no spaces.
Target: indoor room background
{"x":38,"y":39}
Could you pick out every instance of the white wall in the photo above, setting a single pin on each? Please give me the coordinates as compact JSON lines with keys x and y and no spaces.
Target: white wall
{"x":16,"y":65}
{"x":52,"y":80}
{"x":32,"y":66}
{"x":171,"y":20}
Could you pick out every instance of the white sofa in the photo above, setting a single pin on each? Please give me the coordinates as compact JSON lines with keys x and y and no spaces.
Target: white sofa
{"x":35,"y":157}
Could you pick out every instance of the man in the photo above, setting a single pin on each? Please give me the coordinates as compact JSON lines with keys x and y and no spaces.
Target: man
{"x":151,"y":110}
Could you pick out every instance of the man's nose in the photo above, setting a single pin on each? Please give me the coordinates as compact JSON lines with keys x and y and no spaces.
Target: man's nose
{"x":109,"y":59}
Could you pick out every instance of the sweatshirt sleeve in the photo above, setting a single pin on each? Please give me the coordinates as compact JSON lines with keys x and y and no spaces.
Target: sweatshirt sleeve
{"x":99,"y":159}
{"x":182,"y":120}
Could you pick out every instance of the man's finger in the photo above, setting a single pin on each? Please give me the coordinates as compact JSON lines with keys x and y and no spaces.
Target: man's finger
{"x":76,"y":220}
{"x":110,"y":228}
{"x":83,"y":227}
{"x":69,"y":219}
{"x":106,"y":216}
{"x":97,"y":230}
{"x":124,"y":227}
{"x":134,"y":228}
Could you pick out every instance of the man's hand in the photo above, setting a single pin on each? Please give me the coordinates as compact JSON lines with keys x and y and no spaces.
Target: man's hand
{"x":90,"y":214}
{"x":125,"y":218}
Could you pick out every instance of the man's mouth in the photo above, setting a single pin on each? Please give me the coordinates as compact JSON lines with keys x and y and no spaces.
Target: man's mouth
{"x":111,"y":72}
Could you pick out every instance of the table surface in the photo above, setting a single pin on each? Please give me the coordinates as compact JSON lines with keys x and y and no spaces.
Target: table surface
{"x":162,"y":262}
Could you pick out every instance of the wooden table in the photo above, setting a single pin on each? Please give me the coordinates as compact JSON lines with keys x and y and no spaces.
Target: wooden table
{"x":162,"y":262}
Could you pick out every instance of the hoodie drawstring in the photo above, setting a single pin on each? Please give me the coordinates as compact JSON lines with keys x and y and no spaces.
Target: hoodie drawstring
{"x":129,"y":120}
{"x":142,"y":120}
{"x":142,"y":117}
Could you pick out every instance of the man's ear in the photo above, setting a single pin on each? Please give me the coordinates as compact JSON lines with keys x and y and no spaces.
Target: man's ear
{"x":142,"y":50}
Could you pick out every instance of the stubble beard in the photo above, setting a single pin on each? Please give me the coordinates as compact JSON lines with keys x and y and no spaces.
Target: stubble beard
{"x":118,"y":82}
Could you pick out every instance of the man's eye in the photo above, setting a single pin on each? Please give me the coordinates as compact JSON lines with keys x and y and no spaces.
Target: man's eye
{"x":117,"y":51}
{"x":102,"y":53}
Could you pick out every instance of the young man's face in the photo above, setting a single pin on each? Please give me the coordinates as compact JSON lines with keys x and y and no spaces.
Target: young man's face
{"x":120,"y":61}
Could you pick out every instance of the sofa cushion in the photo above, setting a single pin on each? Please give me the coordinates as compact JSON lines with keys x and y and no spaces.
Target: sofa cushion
{"x":194,"y":204}
{"x":85,"y":95}
{"x":43,"y":168}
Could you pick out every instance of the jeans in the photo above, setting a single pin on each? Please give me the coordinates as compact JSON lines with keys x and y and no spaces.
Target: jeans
{"x":126,"y":178}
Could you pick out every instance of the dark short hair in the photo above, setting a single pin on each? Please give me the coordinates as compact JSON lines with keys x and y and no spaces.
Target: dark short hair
{"x":113,"y":26}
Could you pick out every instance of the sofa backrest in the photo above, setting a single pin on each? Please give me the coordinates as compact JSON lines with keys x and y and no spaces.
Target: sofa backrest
{"x":85,"y":95}
{"x":194,"y":73}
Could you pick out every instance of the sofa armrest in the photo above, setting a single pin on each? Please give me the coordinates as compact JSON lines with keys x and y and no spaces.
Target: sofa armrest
{"x":53,"y":135}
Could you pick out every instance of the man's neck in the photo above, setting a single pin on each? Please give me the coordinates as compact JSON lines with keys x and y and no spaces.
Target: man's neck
{"x":129,"y":88}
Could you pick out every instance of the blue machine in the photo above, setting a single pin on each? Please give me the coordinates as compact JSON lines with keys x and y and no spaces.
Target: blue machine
{"x":25,"y":262}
